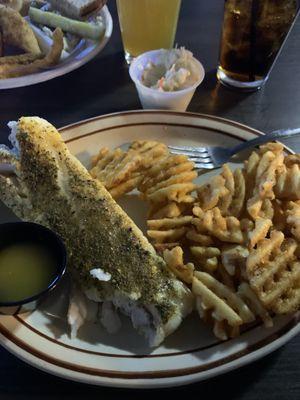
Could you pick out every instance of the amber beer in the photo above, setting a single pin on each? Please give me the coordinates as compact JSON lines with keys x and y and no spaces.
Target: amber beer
{"x":147,"y":25}
{"x":252,"y":36}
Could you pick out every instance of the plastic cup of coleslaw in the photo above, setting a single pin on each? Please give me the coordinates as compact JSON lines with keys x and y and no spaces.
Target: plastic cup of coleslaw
{"x":166,"y":79}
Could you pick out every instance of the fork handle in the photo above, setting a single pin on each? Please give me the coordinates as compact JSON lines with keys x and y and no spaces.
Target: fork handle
{"x":284,"y":133}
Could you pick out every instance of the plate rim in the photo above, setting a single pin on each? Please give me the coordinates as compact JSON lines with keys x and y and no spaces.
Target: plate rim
{"x":65,"y":68}
{"x":236,"y":362}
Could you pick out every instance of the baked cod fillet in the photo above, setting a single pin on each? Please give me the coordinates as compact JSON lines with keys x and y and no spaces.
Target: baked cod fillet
{"x":108,"y":256}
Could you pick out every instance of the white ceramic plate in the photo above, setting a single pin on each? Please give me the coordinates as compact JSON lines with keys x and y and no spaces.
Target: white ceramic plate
{"x":82,"y":53}
{"x":123,"y":360}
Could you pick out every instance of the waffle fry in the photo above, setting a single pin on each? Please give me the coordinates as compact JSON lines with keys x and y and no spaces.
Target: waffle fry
{"x":265,"y":180}
{"x":170,"y":170}
{"x":288,"y":183}
{"x":238,"y":199}
{"x":232,"y":300}
{"x":168,"y":230}
{"x":199,"y":238}
{"x":234,"y":259}
{"x":223,"y":276}
{"x":250,"y":168}
{"x":267,"y":248}
{"x":210,"y":193}
{"x":226,"y":229}
{"x":207,"y":257}
{"x":280,"y":216}
{"x":168,"y":167}
{"x":117,"y":170}
{"x":226,"y":199}
{"x":292,"y":159}
{"x":275,"y":278}
{"x":104,"y":151}
{"x":262,"y":227}
{"x":239,"y":228}
{"x":174,"y":261}
{"x":126,"y":186}
{"x":169,"y":180}
{"x":220,"y":302}
{"x":168,"y":210}
{"x":275,"y":147}
{"x":150,"y":151}
{"x":293,"y":218}
{"x":250,"y":298}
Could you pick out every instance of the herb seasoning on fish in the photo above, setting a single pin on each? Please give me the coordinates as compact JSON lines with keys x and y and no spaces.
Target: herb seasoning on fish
{"x":98,"y":234}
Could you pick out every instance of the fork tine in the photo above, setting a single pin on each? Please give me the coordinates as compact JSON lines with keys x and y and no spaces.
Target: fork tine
{"x":200,"y":165}
{"x":188,"y":148}
{"x":200,"y":159}
{"x":190,"y":153}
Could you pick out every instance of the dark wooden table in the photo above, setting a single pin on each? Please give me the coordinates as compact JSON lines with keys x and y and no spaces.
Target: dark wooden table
{"x":103,"y":86}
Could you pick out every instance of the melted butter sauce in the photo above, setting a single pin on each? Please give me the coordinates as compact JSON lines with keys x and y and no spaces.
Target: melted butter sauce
{"x":26,"y":269}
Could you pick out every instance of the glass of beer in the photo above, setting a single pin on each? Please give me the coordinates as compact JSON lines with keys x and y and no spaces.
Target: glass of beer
{"x":253,"y":34}
{"x":147,"y":25}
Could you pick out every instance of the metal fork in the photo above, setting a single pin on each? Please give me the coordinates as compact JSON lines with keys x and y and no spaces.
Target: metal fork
{"x":214,"y":157}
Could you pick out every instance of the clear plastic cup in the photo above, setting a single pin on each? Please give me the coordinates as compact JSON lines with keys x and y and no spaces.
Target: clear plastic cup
{"x":152,"y":98}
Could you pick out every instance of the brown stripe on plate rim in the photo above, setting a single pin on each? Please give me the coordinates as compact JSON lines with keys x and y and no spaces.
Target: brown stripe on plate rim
{"x":157,"y":374}
{"x":97,"y":353}
{"x":153,"y":123}
{"x":164,"y":112}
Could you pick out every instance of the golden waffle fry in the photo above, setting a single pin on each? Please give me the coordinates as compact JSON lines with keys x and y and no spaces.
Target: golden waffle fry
{"x":276,"y":279}
{"x":261,"y":173}
{"x":169,"y":180}
{"x":207,"y":257}
{"x":166,"y":236}
{"x":169,"y":210}
{"x":117,"y":170}
{"x":168,"y":230}
{"x":176,"y":192}
{"x":161,"y":247}
{"x":288,"y":183}
{"x":211,"y":192}
{"x":221,"y":329}
{"x":118,"y":167}
{"x":275,"y":147}
{"x":250,"y":168}
{"x":279,"y":217}
{"x":292,"y":159}
{"x":226,"y":229}
{"x":150,"y":151}
{"x":234,"y":259}
{"x":231,"y":298}
{"x":223,"y":276}
{"x":225,"y":191}
{"x":126,"y":186}
{"x":166,"y":168}
{"x":174,"y":261}
{"x":238,"y":199}
{"x":200,"y":238}
{"x":167,"y":223}
{"x":220,"y":303}
{"x":101,"y":154}
{"x":265,"y":180}
{"x":225,"y":200}
{"x":250,"y":298}
{"x":293,"y":218}
{"x":266,"y":249}
{"x":289,"y":301}
{"x":262,"y":227}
